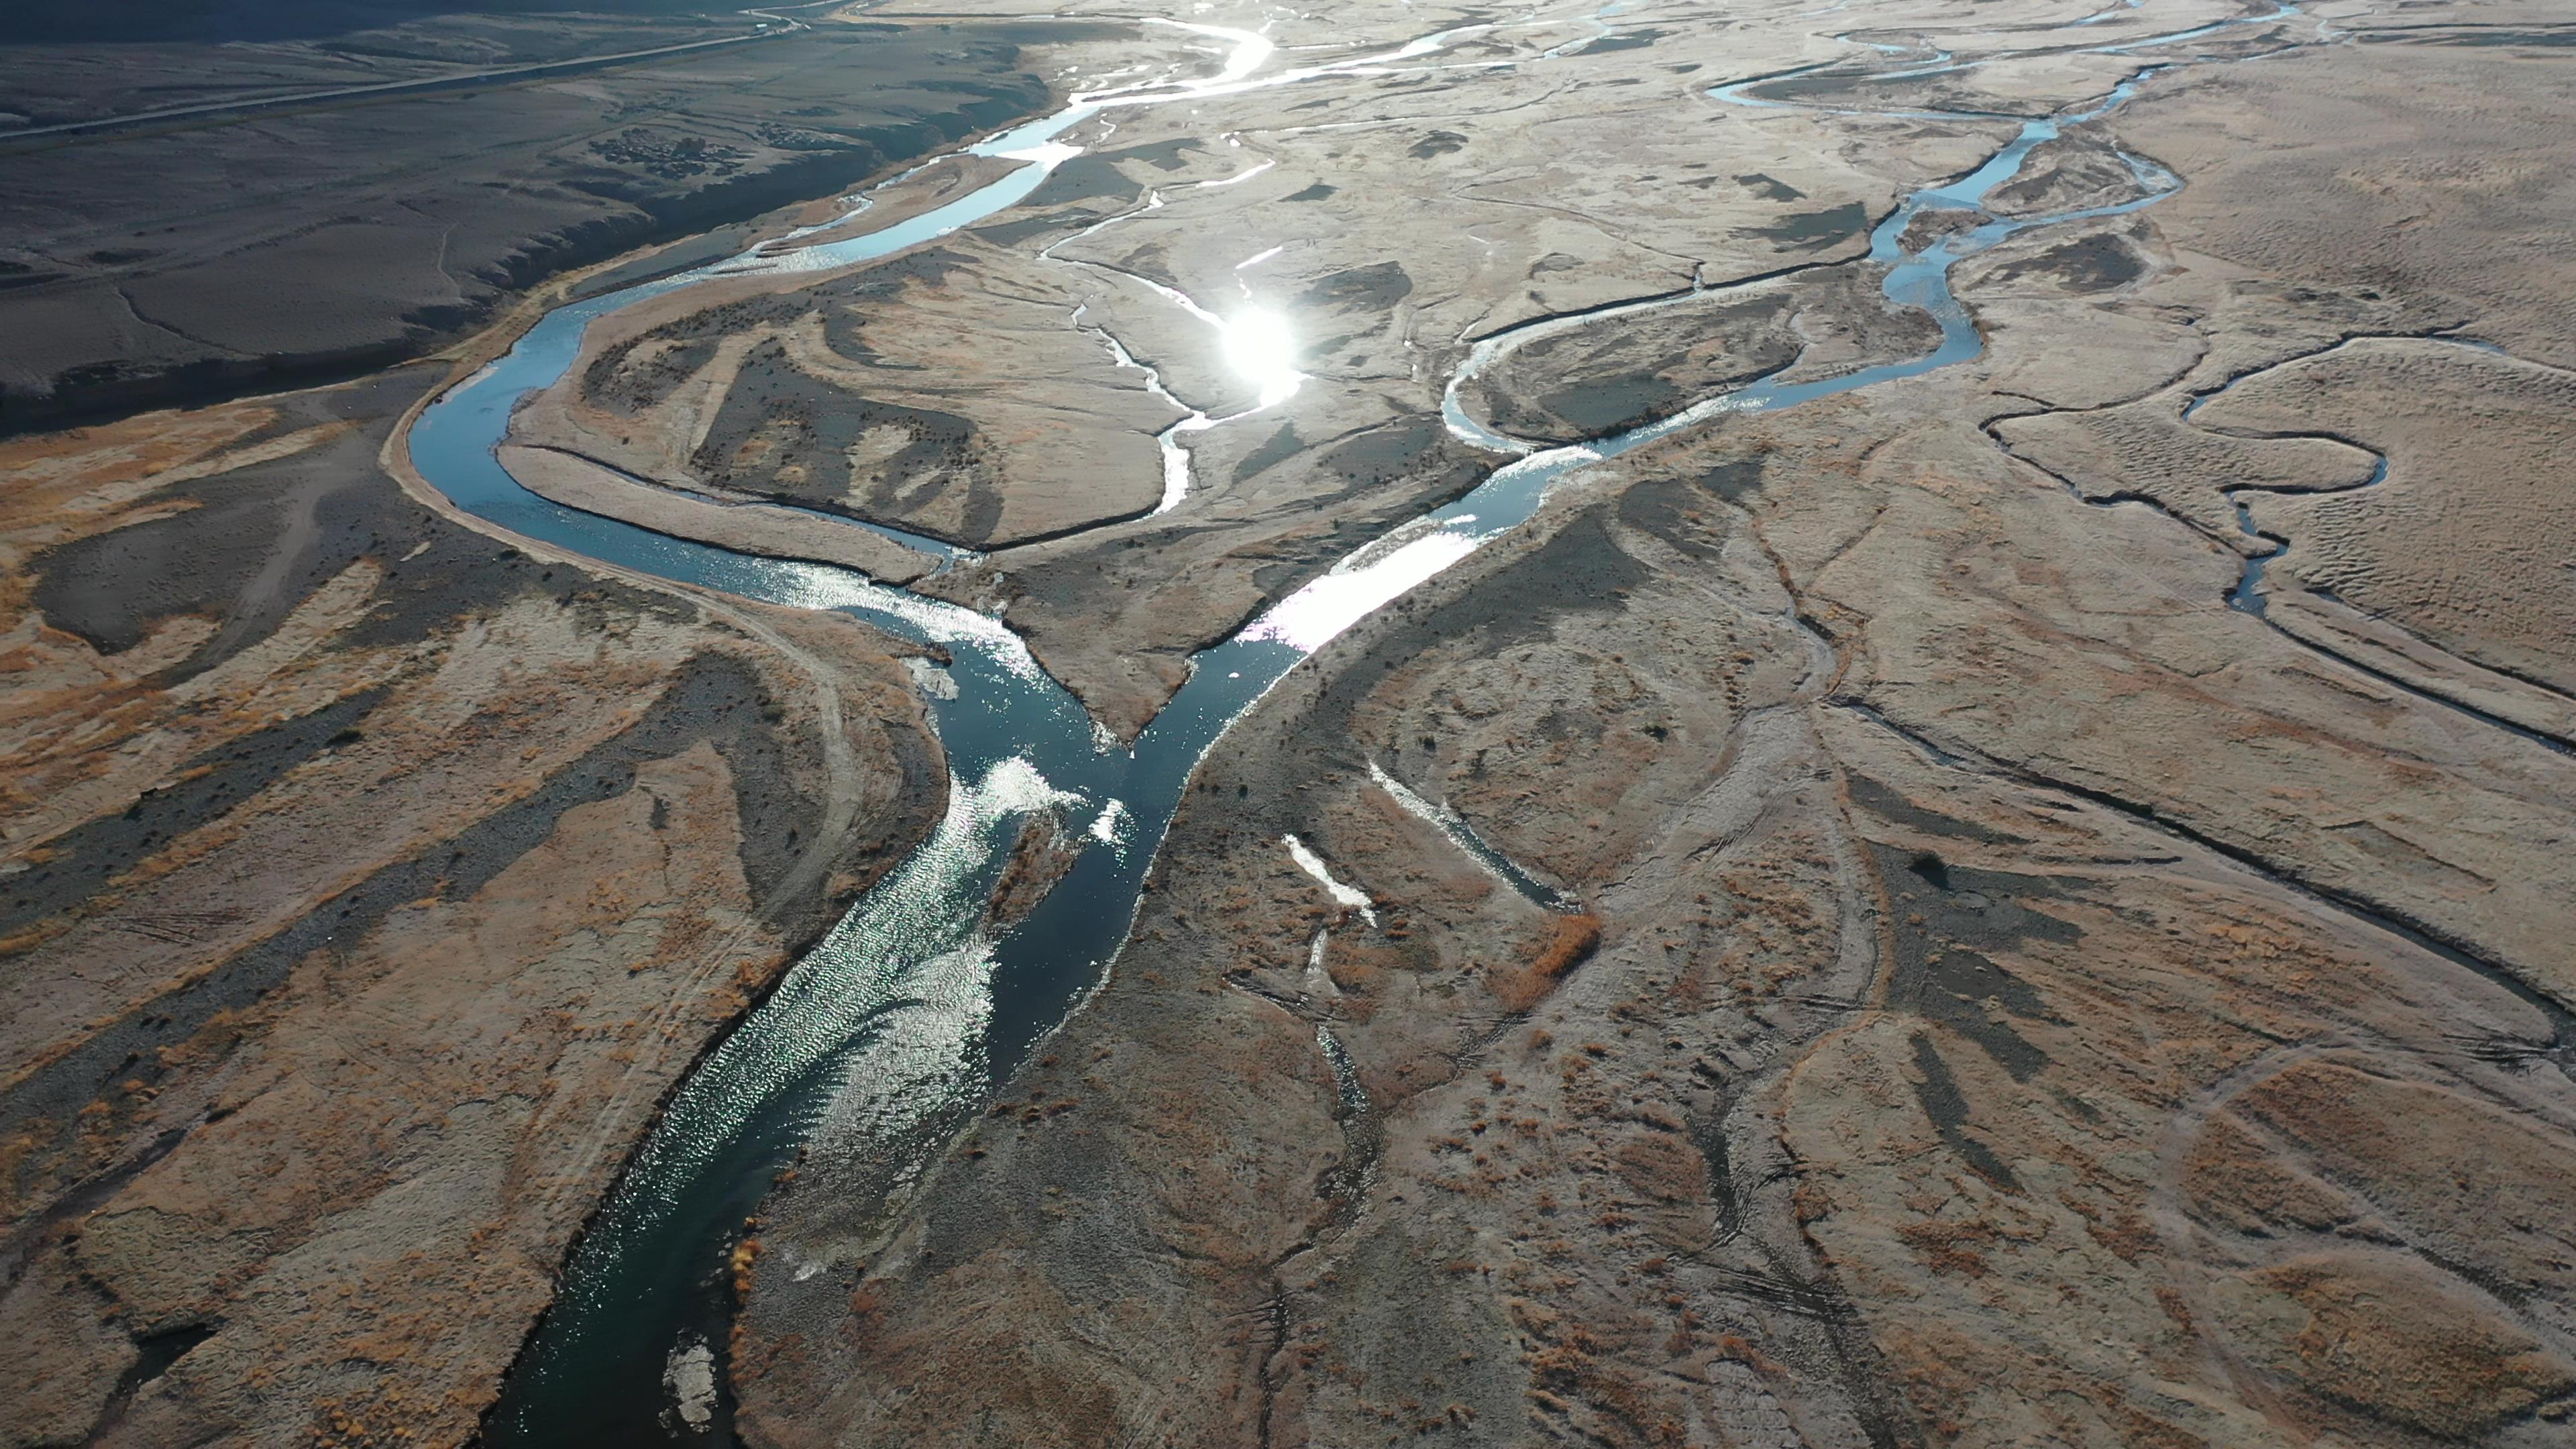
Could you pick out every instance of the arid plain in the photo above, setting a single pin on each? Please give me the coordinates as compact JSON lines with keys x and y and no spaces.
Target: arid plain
{"x":2019,"y":901}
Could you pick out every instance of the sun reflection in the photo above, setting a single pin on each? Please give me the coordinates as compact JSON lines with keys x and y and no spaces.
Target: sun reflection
{"x":1263,"y":351}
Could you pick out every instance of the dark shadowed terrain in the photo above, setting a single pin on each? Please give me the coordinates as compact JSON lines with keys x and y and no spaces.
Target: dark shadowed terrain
{"x":281,"y":223}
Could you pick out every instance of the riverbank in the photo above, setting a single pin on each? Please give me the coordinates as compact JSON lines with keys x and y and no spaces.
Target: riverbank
{"x":236,"y":254}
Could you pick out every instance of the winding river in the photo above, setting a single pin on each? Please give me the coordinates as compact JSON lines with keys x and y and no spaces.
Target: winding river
{"x":896,"y":1024}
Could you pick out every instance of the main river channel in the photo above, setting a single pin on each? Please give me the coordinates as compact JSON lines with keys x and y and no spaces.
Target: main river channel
{"x":902,"y":1017}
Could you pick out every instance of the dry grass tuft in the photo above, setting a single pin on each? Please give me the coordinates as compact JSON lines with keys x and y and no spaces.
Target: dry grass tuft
{"x":1569,"y":940}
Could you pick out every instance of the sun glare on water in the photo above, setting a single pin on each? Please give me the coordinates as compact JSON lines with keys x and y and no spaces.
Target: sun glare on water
{"x":1263,"y":351}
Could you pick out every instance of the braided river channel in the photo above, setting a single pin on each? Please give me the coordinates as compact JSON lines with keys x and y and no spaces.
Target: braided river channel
{"x":890,"y":1032}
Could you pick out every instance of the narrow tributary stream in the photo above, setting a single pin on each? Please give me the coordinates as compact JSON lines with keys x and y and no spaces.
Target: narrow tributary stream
{"x":896,"y":1024}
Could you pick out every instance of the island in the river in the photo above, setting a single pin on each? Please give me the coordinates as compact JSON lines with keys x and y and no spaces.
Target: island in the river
{"x":992,"y":723}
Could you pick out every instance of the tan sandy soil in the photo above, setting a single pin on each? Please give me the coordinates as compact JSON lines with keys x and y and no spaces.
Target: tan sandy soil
{"x":934,"y":184}
{"x":2468,"y":542}
{"x":1726,"y":1179}
{"x":743,"y":527}
{"x":361,"y":908}
{"x":806,"y":397}
{"x":2033,"y":1002}
{"x":1983,"y":988}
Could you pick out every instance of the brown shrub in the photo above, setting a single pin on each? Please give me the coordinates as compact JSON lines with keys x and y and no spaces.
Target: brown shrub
{"x":1568,"y":941}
